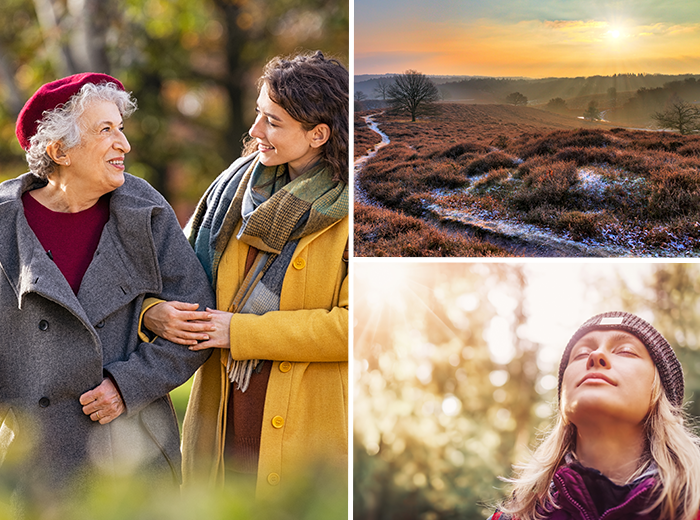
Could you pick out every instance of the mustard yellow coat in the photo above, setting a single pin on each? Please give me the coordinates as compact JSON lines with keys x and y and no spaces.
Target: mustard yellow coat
{"x":305,"y":418}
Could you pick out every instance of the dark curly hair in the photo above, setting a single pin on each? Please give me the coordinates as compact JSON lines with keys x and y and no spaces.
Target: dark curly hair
{"x":313,"y":90}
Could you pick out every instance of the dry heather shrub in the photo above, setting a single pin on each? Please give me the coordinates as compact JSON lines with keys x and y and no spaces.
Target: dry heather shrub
{"x":657,"y":236}
{"x":585,"y":156}
{"x":582,"y":225}
{"x":492,"y":178}
{"x":547,"y":185}
{"x":381,"y":232}
{"x":626,"y":203}
{"x":531,"y":164}
{"x":634,"y":162}
{"x":553,"y":142}
{"x":389,"y":192}
{"x":690,"y":150}
{"x":489,"y":162}
{"x":674,"y":194}
{"x":458,"y":150}
{"x":688,"y":228}
{"x":372,"y":224}
{"x":443,"y":174}
{"x":655,"y":142}
{"x":585,"y":138}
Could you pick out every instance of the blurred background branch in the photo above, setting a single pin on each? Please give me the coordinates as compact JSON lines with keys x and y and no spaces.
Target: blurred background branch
{"x":191,"y":64}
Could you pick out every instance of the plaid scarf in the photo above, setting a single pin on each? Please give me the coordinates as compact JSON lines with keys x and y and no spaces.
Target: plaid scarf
{"x":274,"y":214}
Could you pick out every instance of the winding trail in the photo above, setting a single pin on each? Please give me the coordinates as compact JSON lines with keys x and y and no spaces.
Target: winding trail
{"x":522,"y":240}
{"x":360,"y":194}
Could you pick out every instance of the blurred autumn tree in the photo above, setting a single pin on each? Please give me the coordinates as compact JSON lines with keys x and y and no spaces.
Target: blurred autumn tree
{"x":450,"y":388}
{"x":672,"y":296}
{"x":191,"y":64}
{"x":438,"y":416}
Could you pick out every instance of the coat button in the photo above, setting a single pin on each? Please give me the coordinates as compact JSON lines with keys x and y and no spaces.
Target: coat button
{"x":44,"y":402}
{"x":299,"y":263}
{"x":100,"y":324}
{"x":277,"y":421}
{"x":43,"y":325}
{"x":273,"y":479}
{"x":285,"y":366}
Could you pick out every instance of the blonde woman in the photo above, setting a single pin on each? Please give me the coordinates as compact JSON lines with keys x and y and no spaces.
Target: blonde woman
{"x":620,"y":447}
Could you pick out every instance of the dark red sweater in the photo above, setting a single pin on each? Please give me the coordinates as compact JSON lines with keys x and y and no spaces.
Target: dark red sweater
{"x":71,"y":238}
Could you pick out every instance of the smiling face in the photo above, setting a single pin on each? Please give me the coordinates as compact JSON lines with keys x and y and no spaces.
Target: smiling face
{"x":609,"y":377}
{"x":96,"y":165}
{"x":281,"y":139}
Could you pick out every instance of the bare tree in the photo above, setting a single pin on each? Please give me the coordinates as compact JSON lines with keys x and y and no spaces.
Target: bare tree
{"x":382,"y":89}
{"x":412,"y":92}
{"x":360,"y":98}
{"x":679,"y":115}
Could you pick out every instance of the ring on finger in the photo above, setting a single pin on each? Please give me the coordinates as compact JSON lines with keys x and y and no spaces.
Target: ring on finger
{"x":97,"y":414}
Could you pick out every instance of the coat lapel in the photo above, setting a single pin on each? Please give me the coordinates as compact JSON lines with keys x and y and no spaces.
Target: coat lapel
{"x":110,"y":282}
{"x":125,"y":264}
{"x":26,"y":265}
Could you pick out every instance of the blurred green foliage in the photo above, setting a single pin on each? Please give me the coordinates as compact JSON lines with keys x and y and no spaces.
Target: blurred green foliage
{"x":180,"y":396}
{"x":191,"y":64}
{"x":317,"y":497}
{"x":454,"y":381}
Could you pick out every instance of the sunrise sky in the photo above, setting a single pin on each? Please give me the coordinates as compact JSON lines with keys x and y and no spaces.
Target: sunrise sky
{"x":531,"y":38}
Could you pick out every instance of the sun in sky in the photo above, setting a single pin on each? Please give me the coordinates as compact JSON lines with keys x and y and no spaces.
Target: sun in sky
{"x":542,"y":38}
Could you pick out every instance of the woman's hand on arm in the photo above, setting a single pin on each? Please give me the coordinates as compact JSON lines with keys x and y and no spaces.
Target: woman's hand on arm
{"x":219,"y":333}
{"x":179,"y":322}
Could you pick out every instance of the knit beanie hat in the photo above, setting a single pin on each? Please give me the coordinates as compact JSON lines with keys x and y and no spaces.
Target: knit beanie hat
{"x":50,"y":96}
{"x":670,"y":370}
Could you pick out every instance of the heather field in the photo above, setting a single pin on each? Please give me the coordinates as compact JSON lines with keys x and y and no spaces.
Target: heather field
{"x":495,"y":180}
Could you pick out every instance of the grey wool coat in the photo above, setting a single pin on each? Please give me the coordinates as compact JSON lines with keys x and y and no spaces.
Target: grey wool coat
{"x":55,"y":345}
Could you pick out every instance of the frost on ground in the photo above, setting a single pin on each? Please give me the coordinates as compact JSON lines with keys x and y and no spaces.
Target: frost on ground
{"x":595,"y":182}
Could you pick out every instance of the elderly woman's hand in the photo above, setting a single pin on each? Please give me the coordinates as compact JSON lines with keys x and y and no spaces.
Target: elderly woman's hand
{"x":179,"y":322}
{"x":103,"y":403}
{"x":219,"y":334}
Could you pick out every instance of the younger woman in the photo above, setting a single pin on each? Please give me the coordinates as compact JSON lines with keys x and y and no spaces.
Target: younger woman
{"x":620,"y":448}
{"x":272,"y":234}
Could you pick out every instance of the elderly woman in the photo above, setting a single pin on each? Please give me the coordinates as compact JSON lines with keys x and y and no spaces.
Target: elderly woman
{"x":272,"y":233}
{"x":620,"y":448}
{"x":83,"y":243}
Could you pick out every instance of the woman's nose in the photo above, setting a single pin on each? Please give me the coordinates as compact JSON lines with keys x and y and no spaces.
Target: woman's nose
{"x":255,"y":128}
{"x":598,"y":359}
{"x":123,"y":143}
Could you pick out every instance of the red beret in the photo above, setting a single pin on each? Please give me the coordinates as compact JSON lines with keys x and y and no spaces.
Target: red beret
{"x":50,"y":96}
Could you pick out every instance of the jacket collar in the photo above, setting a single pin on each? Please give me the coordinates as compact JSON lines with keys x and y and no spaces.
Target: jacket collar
{"x":573,"y":497}
{"x":111,"y":281}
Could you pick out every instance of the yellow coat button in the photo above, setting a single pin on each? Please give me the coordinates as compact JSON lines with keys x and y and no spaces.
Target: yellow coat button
{"x":273,"y":479}
{"x":299,"y":263}
{"x":277,"y":421}
{"x":285,"y":366}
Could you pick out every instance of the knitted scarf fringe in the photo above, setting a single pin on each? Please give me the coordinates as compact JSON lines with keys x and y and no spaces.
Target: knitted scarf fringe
{"x":240,"y":371}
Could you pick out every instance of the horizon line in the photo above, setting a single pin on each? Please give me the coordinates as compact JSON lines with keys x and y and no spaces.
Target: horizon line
{"x":532,"y":77}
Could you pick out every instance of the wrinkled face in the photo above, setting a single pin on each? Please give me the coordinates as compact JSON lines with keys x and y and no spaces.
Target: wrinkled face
{"x":97,"y":163}
{"x":609,"y":377}
{"x":281,"y":138}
